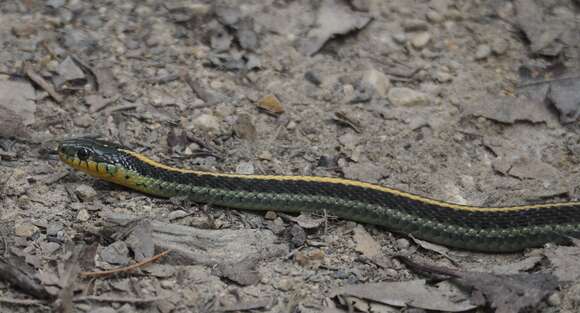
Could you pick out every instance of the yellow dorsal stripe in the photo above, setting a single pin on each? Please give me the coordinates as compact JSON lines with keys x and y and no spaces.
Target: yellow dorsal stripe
{"x":341,"y":181}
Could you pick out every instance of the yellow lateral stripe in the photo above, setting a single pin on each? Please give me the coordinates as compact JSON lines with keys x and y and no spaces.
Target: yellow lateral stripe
{"x":348,"y":182}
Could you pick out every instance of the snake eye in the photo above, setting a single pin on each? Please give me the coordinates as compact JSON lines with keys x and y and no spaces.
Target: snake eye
{"x":83,"y":154}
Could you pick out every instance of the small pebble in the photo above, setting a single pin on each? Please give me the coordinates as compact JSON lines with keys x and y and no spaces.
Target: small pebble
{"x":55,"y":4}
{"x":377,"y":80}
{"x":25,"y":230}
{"x":434,"y":17}
{"x":309,"y":257}
{"x":499,"y":46}
{"x":403,"y":243}
{"x":414,"y":25}
{"x":554,"y":299}
{"x":102,"y":310}
{"x":283,"y":284}
{"x":574,"y":294}
{"x":270,"y":215}
{"x":173,"y":215}
{"x":391,"y":273}
{"x":400,"y":38}
{"x":291,"y":125}
{"x":83,"y":215}
{"x":245,"y":168}
{"x":402,"y":96}
{"x":297,"y":236}
{"x":421,"y":40}
{"x":206,"y":122}
{"x":53,"y":229}
{"x":483,"y":51}
{"x":49,"y":248}
{"x":85,"y":192}
{"x":443,"y":77}
{"x":348,"y":91}
{"x":454,"y":14}
{"x":167,"y":284}
{"x":361,"y":5}
{"x":265,"y":155}
{"x":313,"y":77}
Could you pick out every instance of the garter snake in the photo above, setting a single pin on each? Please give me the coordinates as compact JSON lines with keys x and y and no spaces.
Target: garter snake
{"x":486,"y":229}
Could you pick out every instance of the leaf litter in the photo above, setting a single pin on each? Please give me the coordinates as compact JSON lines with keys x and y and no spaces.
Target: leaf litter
{"x":506,"y":293}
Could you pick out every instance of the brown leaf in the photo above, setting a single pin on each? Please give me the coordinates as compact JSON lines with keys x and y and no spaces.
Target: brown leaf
{"x":333,"y":18}
{"x":365,"y":243}
{"x":506,"y":293}
{"x":414,"y":293}
{"x":565,"y":261}
{"x":243,"y":273}
{"x":271,"y":105}
{"x":17,"y":273}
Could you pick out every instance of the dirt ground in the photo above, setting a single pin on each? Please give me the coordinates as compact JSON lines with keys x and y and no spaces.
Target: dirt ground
{"x":471,"y":102}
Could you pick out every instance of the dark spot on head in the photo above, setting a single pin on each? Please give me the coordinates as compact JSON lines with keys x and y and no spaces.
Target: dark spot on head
{"x":127,"y":176}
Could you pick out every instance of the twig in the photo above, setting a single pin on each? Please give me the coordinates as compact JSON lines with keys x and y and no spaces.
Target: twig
{"x":81,"y":299}
{"x":23,"y":301}
{"x":19,"y":274}
{"x":196,"y":87}
{"x":126,"y":268}
{"x":67,"y":281}
{"x":42,"y":83}
{"x":427,"y":268}
{"x":547,"y":81}
{"x":117,"y":299}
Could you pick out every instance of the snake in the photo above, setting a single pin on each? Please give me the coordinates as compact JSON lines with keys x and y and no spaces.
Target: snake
{"x":484,"y":229}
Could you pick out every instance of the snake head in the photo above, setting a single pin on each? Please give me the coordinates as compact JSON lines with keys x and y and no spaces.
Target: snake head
{"x":88,"y":155}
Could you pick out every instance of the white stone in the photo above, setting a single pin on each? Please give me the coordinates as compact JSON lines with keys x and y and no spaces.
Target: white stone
{"x":421,"y":40}
{"x":402,"y":96}
{"x":379,"y":81}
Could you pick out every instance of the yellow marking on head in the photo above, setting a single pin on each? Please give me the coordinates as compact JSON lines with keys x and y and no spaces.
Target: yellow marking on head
{"x":341,"y":181}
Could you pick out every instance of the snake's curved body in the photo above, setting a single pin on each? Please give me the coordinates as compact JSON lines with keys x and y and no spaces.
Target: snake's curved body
{"x":497,"y":229}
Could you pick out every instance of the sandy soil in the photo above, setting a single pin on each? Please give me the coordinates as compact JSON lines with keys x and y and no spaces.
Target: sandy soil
{"x":423,"y":96}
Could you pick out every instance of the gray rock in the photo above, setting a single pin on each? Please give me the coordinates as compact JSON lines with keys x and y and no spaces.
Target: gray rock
{"x":245,"y":168}
{"x":499,"y":46}
{"x":206,"y":122}
{"x":402,"y":96}
{"x":313,"y":77}
{"x":173,"y":215}
{"x":26,"y":230}
{"x":185,"y":10}
{"x":443,"y":76}
{"x":403,"y":243}
{"x":483,"y":51}
{"x":554,"y":299}
{"x":85,"y":192}
{"x":48,"y":248}
{"x":77,"y":39}
{"x":297,"y":236}
{"x":55,"y":4}
{"x":116,"y":253}
{"x":54,"y":228}
{"x":69,"y":72}
{"x":400,"y":38}
{"x":361,"y":5}
{"x":103,"y":310}
{"x":83,"y":215}
{"x":378,"y":81}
